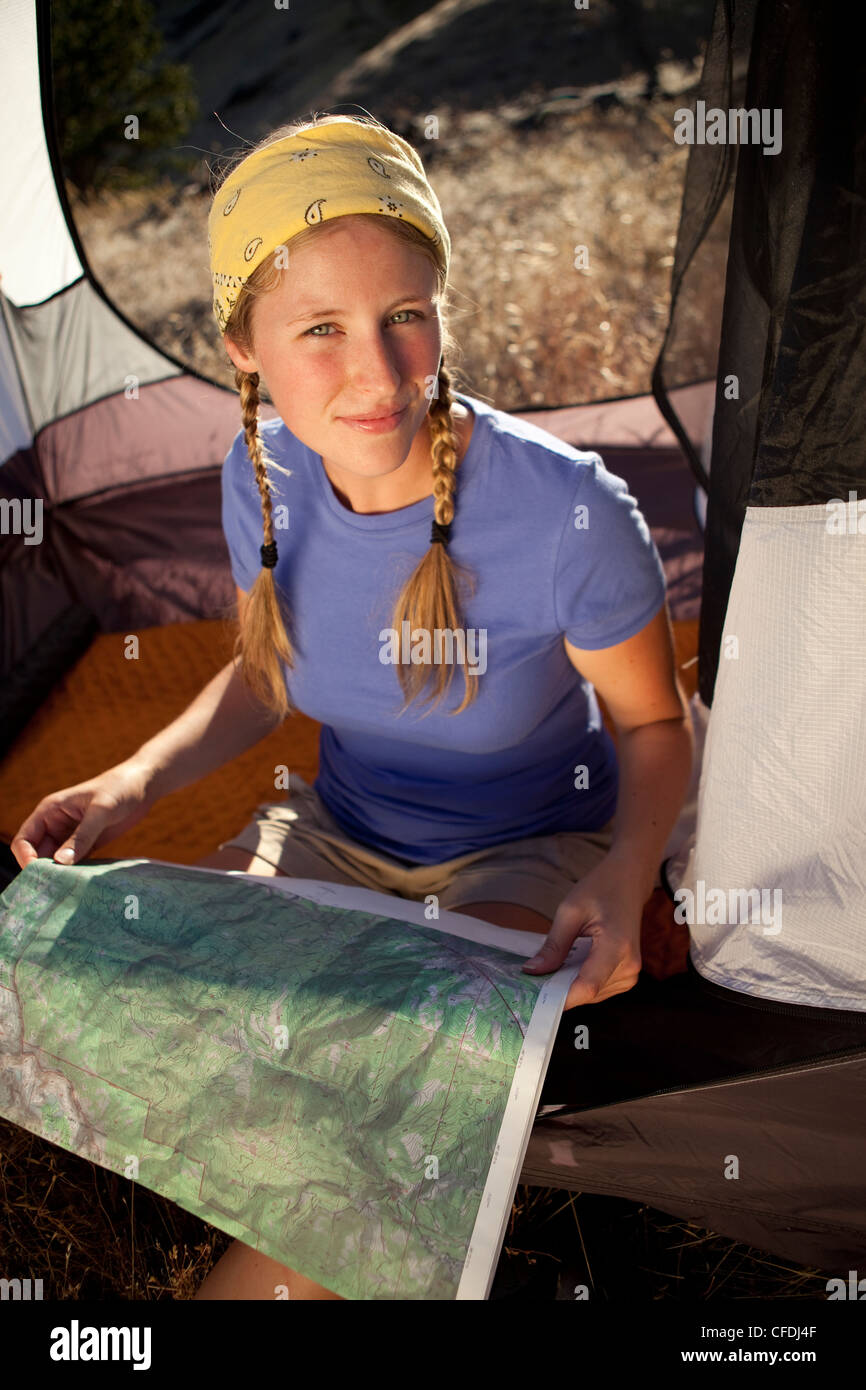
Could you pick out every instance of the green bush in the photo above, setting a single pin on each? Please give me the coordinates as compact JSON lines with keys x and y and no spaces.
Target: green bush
{"x":106,"y":56}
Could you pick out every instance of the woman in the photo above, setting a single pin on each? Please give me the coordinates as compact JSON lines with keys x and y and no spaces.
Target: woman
{"x":381,"y":521}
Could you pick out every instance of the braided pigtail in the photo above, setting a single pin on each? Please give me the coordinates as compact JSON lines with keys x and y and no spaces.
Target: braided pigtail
{"x":429,"y":599}
{"x":262,"y":642}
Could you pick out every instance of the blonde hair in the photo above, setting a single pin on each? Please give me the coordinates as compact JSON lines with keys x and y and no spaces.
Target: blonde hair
{"x":429,"y":598}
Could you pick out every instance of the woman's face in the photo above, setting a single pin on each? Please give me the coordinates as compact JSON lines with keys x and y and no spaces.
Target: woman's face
{"x":353,"y":330}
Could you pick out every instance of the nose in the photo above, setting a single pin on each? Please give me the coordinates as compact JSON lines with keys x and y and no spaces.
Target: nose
{"x":373,"y":364}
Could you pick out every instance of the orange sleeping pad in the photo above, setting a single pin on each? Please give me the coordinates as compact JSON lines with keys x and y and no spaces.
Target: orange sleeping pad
{"x":106,"y":706}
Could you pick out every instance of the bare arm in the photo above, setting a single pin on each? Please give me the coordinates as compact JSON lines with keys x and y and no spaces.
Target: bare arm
{"x":638,"y":682}
{"x":223,"y":721}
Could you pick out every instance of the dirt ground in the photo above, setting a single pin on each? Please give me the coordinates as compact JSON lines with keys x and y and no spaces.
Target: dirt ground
{"x":542,"y":129}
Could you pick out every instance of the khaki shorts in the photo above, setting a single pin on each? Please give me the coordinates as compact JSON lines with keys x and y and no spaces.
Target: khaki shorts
{"x":300,"y":837}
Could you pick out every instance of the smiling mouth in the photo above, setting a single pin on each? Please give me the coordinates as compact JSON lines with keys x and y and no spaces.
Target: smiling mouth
{"x":373,"y":425}
{"x":365,"y":419}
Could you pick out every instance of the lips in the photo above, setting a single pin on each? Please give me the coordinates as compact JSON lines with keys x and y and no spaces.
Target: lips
{"x":381,"y":415}
{"x":379,"y":424}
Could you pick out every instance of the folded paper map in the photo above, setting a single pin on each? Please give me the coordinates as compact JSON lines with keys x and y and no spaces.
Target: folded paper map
{"x":347,"y":1091}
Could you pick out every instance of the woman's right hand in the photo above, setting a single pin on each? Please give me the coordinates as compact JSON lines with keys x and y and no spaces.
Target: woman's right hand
{"x":86,"y":816}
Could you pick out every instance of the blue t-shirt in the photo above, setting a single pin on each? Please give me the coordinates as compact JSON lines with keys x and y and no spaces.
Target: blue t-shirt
{"x":558,"y":547}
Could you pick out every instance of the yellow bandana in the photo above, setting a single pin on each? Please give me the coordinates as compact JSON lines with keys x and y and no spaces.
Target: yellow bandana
{"x":330,"y":171}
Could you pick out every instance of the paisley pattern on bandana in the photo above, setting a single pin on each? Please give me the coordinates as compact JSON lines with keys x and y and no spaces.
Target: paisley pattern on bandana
{"x":328,"y":171}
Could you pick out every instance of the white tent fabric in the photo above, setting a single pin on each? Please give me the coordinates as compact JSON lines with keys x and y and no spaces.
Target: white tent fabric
{"x":37,"y":254}
{"x":782,"y":797}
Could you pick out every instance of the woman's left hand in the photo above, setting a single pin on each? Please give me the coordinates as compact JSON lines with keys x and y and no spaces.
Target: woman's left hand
{"x":608,"y":908}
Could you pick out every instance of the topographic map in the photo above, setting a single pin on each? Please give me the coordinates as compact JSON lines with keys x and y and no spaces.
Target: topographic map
{"x":325,"y":1083}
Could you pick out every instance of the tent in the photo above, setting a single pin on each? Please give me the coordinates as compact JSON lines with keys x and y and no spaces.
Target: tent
{"x":110,"y":458}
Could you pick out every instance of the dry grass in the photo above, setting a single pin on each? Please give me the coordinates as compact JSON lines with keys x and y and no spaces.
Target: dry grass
{"x":621,"y":1250}
{"x":91,"y":1234}
{"x":533,"y":328}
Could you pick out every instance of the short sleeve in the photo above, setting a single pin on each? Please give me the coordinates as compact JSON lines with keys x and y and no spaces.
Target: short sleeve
{"x":241,"y":514}
{"x":609,"y":579}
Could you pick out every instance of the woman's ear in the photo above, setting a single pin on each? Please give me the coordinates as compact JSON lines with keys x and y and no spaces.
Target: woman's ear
{"x":242,"y":360}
